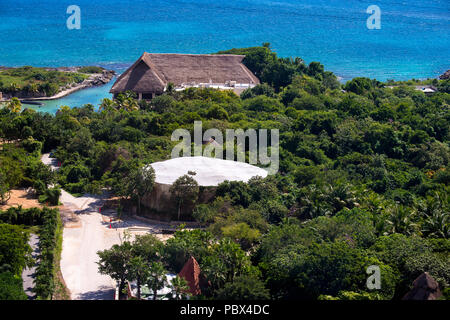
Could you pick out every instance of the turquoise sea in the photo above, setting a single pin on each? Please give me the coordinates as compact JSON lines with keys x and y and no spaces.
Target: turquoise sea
{"x":413,"y":42}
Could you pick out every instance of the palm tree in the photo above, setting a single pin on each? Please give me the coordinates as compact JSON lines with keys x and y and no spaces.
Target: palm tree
{"x":437,"y":225}
{"x":130,"y":104}
{"x":32,"y":88}
{"x":127,"y":101}
{"x":14,"y":105}
{"x":313,"y":203}
{"x":144,"y":182}
{"x":139,"y":272}
{"x":5,"y":194}
{"x":435,"y":210}
{"x":179,"y":288}
{"x":401,"y":220}
{"x":108,"y":105}
{"x":64,"y":109}
{"x":156,"y":279}
{"x":341,"y":197}
{"x":170,"y":89}
{"x":13,"y":87}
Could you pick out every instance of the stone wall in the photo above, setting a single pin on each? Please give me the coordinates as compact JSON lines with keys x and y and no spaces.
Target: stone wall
{"x":160,"y":202}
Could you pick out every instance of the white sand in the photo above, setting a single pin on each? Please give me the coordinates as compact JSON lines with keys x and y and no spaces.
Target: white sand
{"x":210,"y":171}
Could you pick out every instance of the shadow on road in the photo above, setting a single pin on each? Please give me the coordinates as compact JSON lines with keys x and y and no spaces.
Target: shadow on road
{"x":101,"y":294}
{"x":28,"y":274}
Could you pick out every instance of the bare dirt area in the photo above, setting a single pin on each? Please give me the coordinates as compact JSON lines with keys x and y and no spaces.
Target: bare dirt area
{"x":20,"y":197}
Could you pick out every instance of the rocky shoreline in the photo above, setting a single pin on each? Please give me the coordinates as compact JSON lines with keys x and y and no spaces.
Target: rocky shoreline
{"x":94,"y":79}
{"x":445,"y":75}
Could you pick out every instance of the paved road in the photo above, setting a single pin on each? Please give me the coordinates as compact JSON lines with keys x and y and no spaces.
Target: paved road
{"x":28,"y":274}
{"x":79,"y":257}
{"x":52,"y":162}
{"x":81,"y":244}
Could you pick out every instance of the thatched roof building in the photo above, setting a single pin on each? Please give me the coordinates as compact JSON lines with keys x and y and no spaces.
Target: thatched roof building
{"x":152,"y":72}
{"x":192,"y":274}
{"x":424,"y":288}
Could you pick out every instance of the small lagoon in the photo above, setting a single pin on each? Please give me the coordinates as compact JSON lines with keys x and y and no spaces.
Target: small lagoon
{"x":93,"y":95}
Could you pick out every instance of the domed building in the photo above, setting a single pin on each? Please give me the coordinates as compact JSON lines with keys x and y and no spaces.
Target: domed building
{"x":209,"y":173}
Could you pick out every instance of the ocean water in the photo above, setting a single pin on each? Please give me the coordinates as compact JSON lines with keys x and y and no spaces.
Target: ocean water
{"x":413,"y":42}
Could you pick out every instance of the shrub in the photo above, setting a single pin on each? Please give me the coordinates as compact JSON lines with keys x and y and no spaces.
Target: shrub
{"x":91,"y":69}
{"x":244,"y":288}
{"x":40,"y":187}
{"x":32,"y":146}
{"x":11,"y":287}
{"x":51,"y":196}
{"x":45,"y":272}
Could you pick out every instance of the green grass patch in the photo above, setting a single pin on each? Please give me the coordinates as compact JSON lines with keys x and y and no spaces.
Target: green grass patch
{"x":33,"y":80}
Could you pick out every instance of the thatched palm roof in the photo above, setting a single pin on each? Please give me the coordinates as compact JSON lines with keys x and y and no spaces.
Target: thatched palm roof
{"x":424,"y":288}
{"x":191,"y":273}
{"x":153,"y":71}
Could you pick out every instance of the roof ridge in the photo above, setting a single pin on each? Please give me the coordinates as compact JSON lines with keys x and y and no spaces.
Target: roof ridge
{"x":155,"y":70}
{"x":197,"y":54}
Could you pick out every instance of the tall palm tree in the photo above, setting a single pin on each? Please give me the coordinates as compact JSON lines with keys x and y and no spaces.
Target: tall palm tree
{"x":313,"y":203}
{"x":32,"y":88}
{"x":130,"y":104}
{"x":5,"y":194}
{"x":341,"y":196}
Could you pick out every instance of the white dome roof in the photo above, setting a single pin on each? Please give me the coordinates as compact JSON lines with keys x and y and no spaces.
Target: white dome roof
{"x":210,"y":171}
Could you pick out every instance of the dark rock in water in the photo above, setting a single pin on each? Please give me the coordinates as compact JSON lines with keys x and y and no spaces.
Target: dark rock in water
{"x":424,"y":288}
{"x":35,"y":103}
{"x":445,"y":76}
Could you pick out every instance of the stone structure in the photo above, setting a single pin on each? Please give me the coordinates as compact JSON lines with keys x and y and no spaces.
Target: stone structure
{"x":209,"y":173}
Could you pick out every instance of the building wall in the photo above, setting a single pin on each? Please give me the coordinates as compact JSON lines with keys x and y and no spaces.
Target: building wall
{"x":160,"y":201}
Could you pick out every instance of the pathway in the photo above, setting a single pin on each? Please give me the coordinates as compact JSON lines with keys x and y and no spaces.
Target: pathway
{"x":28,"y":274}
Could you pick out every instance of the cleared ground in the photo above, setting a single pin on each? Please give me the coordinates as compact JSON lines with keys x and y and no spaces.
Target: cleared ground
{"x":87,"y":231}
{"x":20,"y":197}
{"x":83,"y":240}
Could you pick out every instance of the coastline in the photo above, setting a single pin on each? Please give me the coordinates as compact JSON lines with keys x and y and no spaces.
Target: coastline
{"x":94,"y":80}
{"x":88,"y":83}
